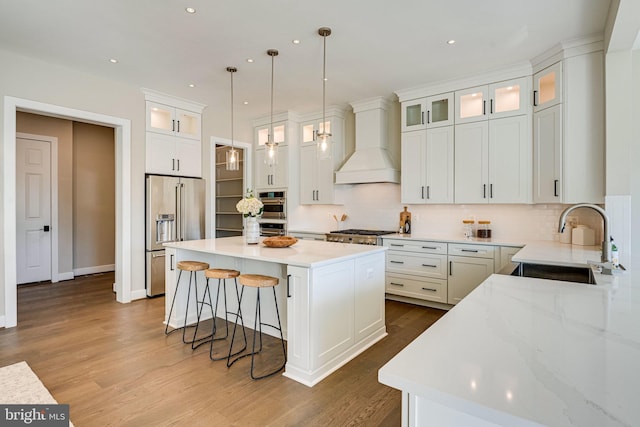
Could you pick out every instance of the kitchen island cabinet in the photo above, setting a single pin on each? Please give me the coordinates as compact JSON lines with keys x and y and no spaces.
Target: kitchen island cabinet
{"x":330,"y":296}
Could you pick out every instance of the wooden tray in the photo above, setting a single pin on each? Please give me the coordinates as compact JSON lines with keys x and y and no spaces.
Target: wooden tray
{"x":279,"y":241}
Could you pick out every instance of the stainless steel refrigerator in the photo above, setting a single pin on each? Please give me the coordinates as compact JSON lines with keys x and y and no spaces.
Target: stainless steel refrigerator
{"x":174,"y":212}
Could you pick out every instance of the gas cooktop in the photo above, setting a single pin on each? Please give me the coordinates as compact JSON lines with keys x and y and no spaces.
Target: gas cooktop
{"x":362,"y":232}
{"x":363,"y":237}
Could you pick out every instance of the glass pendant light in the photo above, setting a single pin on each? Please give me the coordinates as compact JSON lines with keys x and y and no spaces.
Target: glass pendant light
{"x":271,"y":157}
{"x":324,"y":131}
{"x":232,"y":160}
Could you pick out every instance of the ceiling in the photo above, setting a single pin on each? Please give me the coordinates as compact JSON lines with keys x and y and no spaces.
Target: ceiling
{"x":376,"y":46}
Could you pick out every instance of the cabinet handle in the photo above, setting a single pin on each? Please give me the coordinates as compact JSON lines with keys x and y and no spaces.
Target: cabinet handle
{"x":428,"y":116}
{"x":430,"y":289}
{"x":173,"y":164}
{"x":491,"y":191}
{"x":555,"y":187}
{"x":484,"y":191}
{"x":429,"y":247}
{"x":450,"y":268}
{"x":288,"y":288}
{"x":173,"y":125}
{"x":430,"y":265}
{"x":171,"y":263}
{"x":317,"y":195}
{"x":491,"y":106}
{"x":422,"y":192}
{"x":484,"y":108}
{"x":475,"y":251}
{"x":428,"y":192}
{"x":422,"y":117}
{"x":396,"y":284}
{"x":535,"y":98}
{"x":178,"y":126}
{"x":178,"y":164}
{"x":396,"y":262}
{"x":395,"y":244}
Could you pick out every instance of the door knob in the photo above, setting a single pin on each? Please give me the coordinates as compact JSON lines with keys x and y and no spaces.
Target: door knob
{"x":45,"y":229}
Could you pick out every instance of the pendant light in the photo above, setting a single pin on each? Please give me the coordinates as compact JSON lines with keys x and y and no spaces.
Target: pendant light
{"x":271,"y":157}
{"x":324,"y":131}
{"x":232,"y":160}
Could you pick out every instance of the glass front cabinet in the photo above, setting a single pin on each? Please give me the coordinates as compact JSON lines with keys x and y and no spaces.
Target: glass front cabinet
{"x":503,"y":99}
{"x":424,"y":113}
{"x":547,"y":87}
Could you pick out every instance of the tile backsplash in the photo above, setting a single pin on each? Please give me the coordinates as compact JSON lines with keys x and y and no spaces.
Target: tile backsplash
{"x":377,"y":206}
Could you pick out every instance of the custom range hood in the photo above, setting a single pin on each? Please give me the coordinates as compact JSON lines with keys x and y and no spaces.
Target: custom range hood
{"x":371,"y":161}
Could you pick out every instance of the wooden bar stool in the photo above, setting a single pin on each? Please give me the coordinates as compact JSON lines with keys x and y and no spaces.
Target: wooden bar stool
{"x":221,"y":274}
{"x":258,"y":281}
{"x":192,"y":267}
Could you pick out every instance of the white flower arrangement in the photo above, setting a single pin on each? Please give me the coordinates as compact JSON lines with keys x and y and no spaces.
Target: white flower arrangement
{"x":250,"y":206}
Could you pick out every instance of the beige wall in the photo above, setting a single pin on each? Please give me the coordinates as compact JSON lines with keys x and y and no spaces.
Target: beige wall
{"x":63,"y":130}
{"x":94,"y":225}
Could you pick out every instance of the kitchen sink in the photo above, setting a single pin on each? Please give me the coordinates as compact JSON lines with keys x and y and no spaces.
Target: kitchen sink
{"x":555,"y":272}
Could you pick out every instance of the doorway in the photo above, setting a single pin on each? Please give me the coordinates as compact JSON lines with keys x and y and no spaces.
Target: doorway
{"x":124,"y":244}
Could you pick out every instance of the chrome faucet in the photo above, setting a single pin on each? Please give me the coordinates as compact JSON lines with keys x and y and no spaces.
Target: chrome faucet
{"x":606,"y":249}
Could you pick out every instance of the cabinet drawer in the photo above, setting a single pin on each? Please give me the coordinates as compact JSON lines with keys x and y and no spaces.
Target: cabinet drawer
{"x":477,"y":251}
{"x":424,"y":265}
{"x":416,"y":246}
{"x":408,"y":286}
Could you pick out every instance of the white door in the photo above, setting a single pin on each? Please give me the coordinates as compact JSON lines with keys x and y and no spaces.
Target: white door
{"x":33,"y":210}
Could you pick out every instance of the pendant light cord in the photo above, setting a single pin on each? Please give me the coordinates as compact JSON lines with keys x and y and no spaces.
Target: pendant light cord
{"x":324,"y":81}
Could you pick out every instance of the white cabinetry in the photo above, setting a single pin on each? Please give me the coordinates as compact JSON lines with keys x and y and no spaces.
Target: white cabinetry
{"x":306,"y":235}
{"x":417,"y":269}
{"x":285,"y":131}
{"x":424,"y":113}
{"x":569,"y":130}
{"x":173,"y":138}
{"x":493,"y":144}
{"x":505,"y":255}
{"x":469,"y":265}
{"x":427,"y":166}
{"x":317,"y":169}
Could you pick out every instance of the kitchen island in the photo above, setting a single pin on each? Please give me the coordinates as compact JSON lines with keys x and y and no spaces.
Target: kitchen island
{"x":527,"y":352}
{"x":331,"y":296}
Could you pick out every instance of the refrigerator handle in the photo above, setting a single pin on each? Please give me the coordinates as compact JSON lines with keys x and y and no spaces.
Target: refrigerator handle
{"x":183,"y":223}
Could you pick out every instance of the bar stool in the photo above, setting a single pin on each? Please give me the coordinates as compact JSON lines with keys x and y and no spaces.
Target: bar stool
{"x":221,"y":274}
{"x":192,"y":267}
{"x":258,"y":281}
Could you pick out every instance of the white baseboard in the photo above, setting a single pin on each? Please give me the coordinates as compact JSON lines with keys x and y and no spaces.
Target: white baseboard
{"x":94,"y":270}
{"x":138,"y":294}
{"x":65,"y":276}
{"x":2,"y":321}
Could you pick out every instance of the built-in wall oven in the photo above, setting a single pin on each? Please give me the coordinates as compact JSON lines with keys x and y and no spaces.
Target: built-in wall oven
{"x":274,"y":213}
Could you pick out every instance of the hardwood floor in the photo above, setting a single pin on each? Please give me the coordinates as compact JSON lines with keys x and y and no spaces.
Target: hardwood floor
{"x":114,"y":366}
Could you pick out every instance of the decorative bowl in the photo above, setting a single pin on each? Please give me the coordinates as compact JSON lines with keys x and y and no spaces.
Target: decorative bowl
{"x":279,"y":241}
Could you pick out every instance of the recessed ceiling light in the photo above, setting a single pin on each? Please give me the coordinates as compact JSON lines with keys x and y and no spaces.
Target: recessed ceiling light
{"x":246,"y":102}
{"x":192,"y":85}
{"x":295,"y":41}
{"x":190,"y":10}
{"x":250,"y":60}
{"x":452,"y":41}
{"x":113,"y":61}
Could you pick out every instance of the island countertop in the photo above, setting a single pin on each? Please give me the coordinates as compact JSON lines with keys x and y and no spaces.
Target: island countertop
{"x":304,"y":253}
{"x":521,"y":351}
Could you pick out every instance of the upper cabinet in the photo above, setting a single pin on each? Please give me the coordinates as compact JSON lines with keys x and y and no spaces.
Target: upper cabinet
{"x":317,"y":168}
{"x":173,"y":138}
{"x":423,"y":113}
{"x":568,"y":130}
{"x":547,"y":87}
{"x":285,"y":134}
{"x":503,"y":99}
{"x":173,"y":121}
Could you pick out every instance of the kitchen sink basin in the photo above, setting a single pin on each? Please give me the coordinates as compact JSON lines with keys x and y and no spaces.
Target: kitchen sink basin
{"x":555,"y":272}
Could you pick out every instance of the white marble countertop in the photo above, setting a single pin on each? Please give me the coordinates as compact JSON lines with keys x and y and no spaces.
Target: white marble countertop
{"x":304,"y":253}
{"x":455,"y":239}
{"x":522,"y":351}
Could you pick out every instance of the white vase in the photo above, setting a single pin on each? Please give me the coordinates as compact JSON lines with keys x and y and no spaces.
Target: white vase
{"x":252,"y":231}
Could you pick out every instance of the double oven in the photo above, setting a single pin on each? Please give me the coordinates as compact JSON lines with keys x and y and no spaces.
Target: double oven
{"x":274,"y":213}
